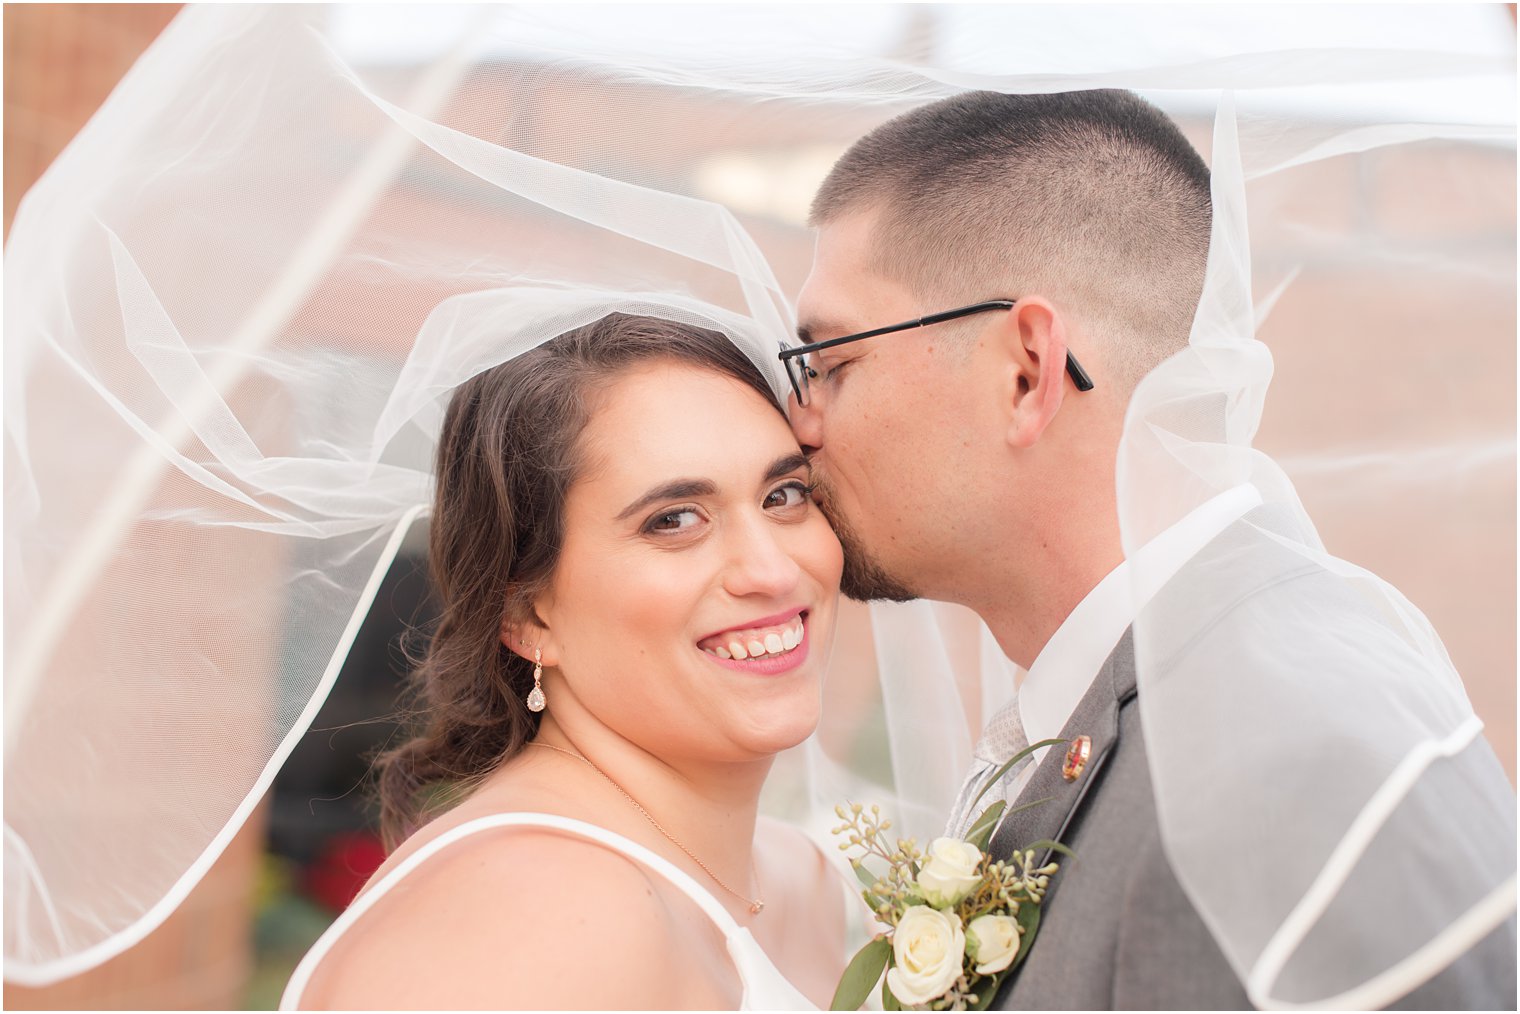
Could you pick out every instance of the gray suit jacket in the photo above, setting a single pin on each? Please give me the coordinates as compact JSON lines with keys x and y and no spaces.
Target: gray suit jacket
{"x":1117,"y":931}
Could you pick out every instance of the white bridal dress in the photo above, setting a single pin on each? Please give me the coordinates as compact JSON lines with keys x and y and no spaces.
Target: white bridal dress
{"x":765,"y":987}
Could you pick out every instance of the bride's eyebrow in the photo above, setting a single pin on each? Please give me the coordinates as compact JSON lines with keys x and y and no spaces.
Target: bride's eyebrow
{"x":686,"y":489}
{"x":676,"y":489}
{"x":785,"y":465}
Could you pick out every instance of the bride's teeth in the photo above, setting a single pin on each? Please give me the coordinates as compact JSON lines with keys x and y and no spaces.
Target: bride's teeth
{"x":755,"y":644}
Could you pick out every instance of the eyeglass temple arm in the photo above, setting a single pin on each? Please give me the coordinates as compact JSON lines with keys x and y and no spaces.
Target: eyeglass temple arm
{"x":1074,"y":369}
{"x":1078,"y":375}
{"x":907,"y":325}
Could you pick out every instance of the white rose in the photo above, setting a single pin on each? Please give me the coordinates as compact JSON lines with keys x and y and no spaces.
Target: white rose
{"x":993,"y":941}
{"x":929,"y":947}
{"x":950,"y":874}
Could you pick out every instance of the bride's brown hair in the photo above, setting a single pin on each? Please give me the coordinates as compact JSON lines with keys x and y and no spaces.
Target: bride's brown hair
{"x":508,"y":453}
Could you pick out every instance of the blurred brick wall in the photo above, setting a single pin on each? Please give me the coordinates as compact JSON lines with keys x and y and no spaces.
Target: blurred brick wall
{"x":61,"y":61}
{"x":200,"y":958}
{"x":1406,"y":257}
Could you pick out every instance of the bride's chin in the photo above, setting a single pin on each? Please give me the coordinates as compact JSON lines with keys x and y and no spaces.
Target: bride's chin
{"x":778,"y":733}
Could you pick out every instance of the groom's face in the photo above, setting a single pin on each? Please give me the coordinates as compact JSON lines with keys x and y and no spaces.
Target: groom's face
{"x":886,"y":423}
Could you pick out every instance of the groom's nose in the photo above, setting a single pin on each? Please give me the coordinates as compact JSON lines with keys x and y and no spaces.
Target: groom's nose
{"x":807,"y":424}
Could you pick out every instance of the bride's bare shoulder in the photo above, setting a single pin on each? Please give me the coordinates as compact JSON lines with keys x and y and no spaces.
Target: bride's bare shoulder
{"x":510,"y":917}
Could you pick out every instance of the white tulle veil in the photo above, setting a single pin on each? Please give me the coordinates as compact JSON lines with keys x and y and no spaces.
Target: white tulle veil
{"x":236,"y":304}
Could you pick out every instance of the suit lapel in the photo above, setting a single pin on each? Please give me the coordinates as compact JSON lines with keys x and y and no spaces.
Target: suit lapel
{"x":1096,"y":716}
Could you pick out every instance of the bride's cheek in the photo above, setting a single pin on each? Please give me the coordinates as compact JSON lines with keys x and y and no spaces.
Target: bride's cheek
{"x":829,"y":553}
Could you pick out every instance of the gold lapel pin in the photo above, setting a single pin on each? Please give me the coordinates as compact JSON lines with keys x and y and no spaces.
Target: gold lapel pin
{"x":1076,"y":758}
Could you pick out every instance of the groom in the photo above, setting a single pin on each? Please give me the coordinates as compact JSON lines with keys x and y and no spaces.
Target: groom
{"x":1058,"y":243}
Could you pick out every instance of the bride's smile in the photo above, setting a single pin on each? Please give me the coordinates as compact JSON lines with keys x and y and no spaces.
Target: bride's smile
{"x":772,"y":645}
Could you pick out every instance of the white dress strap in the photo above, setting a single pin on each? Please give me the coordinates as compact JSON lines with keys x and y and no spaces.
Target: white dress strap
{"x":754,"y":966}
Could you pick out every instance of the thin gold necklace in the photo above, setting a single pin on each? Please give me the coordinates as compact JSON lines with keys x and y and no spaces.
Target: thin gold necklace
{"x":755,"y":904}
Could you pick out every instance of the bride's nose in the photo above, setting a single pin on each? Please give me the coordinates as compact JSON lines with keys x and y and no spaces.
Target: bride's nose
{"x":758,"y":563}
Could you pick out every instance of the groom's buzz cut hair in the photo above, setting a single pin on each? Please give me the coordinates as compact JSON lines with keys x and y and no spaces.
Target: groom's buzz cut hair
{"x":1093,"y":199}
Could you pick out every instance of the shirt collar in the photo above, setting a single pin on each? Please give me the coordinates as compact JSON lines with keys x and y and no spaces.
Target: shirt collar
{"x":1071,"y":659}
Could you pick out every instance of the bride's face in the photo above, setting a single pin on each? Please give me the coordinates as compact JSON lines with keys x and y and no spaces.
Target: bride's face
{"x":690,"y":537}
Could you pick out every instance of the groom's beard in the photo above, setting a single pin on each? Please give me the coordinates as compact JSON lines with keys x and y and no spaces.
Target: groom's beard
{"x":863,"y":579}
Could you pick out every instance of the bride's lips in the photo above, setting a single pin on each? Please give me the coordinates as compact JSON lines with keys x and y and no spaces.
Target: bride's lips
{"x":770,"y":664}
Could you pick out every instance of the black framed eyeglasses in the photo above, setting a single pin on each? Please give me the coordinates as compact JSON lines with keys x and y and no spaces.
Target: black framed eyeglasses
{"x":793,"y":357}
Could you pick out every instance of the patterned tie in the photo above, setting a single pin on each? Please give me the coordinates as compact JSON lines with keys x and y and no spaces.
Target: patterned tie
{"x":1003,"y":737}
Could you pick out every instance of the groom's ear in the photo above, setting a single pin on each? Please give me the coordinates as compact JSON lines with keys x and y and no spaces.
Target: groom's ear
{"x":1032,"y":339}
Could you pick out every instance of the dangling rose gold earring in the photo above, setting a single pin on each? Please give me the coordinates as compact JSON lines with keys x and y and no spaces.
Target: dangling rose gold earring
{"x":536,"y":700}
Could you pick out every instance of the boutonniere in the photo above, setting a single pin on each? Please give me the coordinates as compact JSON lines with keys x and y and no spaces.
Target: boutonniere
{"x":958,"y":922}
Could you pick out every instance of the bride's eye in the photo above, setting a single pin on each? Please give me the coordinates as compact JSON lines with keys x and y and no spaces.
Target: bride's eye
{"x":793,"y":494}
{"x":679,"y":520}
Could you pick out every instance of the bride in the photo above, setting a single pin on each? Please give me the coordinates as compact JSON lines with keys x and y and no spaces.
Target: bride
{"x":638,"y":597}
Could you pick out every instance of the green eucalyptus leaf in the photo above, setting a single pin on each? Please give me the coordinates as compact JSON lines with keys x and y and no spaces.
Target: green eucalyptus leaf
{"x":861,"y":974}
{"x":889,"y":999}
{"x":980,"y":833}
{"x":987,"y":991}
{"x":866,"y":877}
{"x":1053,"y":846}
{"x":1000,"y":772}
{"x":1029,"y":920}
